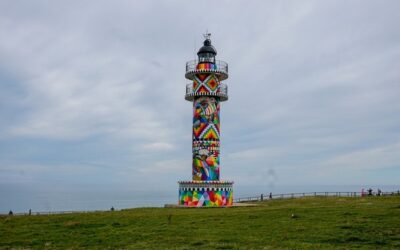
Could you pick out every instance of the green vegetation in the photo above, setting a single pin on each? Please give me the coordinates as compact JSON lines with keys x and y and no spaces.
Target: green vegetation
{"x":304,"y":223}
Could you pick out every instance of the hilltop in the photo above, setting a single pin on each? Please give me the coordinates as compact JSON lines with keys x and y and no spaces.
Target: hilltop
{"x":303,"y":223}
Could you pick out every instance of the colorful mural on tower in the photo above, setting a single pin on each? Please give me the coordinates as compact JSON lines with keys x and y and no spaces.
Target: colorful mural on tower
{"x":205,"y":84}
{"x":199,"y":198}
{"x":206,"y":92}
{"x":205,"y":139}
{"x":206,"y":118}
{"x":206,"y":66}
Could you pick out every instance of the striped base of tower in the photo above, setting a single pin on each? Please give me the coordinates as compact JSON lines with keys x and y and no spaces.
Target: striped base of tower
{"x":206,"y":193}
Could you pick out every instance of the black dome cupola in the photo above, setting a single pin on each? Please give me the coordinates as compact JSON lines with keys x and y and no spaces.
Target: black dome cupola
{"x":207,"y":53}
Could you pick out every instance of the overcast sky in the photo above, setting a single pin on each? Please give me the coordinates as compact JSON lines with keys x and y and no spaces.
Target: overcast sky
{"x":92,"y":92}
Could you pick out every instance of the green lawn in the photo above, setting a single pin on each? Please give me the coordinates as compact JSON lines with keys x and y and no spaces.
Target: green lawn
{"x":318,"y":223}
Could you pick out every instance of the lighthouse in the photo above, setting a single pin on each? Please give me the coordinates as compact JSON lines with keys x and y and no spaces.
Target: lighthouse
{"x":206,"y":91}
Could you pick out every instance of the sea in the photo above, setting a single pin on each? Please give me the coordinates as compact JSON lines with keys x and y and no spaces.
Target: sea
{"x":21,"y":199}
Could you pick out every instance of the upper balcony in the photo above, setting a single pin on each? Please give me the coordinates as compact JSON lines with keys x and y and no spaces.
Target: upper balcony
{"x":222,"y":92}
{"x":220,"y":68}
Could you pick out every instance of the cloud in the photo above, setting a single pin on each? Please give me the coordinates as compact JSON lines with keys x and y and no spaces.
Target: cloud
{"x":158,"y":146}
{"x":165,"y":166}
{"x":313,"y":87}
{"x":366,"y":159}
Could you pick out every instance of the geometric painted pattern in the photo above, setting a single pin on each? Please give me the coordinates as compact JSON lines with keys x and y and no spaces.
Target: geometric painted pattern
{"x":199,"y":129}
{"x":202,"y":198}
{"x":211,"y":83}
{"x":202,"y":89}
{"x":202,"y":77}
{"x":206,"y":118}
{"x":206,"y":66}
{"x":211,"y":145}
{"x":210,"y":133}
{"x":205,"y":83}
{"x":205,"y":165}
{"x":206,"y":160}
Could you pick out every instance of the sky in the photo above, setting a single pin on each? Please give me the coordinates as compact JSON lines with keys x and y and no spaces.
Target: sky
{"x":92,"y":94}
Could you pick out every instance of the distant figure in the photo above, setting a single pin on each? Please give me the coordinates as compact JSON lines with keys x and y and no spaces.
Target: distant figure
{"x":370,"y":192}
{"x":30,"y":212}
{"x":169,"y":218}
{"x":362,"y":192}
{"x":270,"y":195}
{"x":10,"y":213}
{"x":262,"y":197}
{"x":379,"y":192}
{"x":112,"y":209}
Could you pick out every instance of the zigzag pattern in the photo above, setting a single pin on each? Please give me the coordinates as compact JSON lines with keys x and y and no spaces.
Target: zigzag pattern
{"x":210,"y":132}
{"x":199,"y":129}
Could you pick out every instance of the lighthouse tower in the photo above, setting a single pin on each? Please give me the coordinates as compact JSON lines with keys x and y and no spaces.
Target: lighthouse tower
{"x":206,"y":91}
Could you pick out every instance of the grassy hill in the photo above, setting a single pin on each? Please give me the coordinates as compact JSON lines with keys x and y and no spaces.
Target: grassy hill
{"x":318,"y":223}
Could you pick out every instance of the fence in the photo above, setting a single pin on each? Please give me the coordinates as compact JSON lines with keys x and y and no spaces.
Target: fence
{"x":220,"y":65}
{"x":310,"y":194}
{"x":56,"y":212}
{"x":262,"y":197}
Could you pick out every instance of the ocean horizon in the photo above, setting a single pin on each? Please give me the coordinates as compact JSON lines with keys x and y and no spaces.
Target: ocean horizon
{"x":20,"y":200}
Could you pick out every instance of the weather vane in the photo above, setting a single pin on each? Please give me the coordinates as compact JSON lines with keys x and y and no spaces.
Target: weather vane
{"x":207,"y":35}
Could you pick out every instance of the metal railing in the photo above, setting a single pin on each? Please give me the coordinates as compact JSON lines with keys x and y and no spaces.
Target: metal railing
{"x":222,"y":88}
{"x":219,"y":66}
{"x":222,"y":92}
{"x":264,"y":197}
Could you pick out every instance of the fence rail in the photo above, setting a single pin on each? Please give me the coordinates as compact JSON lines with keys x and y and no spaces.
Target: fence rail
{"x":219,"y":65}
{"x":263,"y":197}
{"x":56,"y":212}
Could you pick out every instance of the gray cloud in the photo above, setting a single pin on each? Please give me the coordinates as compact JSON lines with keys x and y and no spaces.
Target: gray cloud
{"x":313,"y":88}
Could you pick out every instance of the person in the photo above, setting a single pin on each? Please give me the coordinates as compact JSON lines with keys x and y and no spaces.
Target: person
{"x":270,"y":195}
{"x":10,"y":213}
{"x":370,"y":192}
{"x":30,"y":211}
{"x":112,"y":208}
{"x":362,"y":192}
{"x":379,"y":192}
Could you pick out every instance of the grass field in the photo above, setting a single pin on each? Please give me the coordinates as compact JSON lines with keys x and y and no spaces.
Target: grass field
{"x":318,"y":223}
